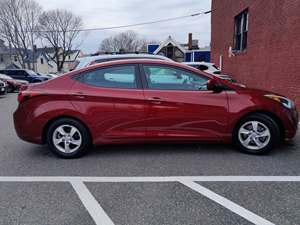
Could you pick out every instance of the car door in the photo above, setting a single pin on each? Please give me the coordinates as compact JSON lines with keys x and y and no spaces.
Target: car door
{"x":111,"y":100}
{"x":180,"y":107}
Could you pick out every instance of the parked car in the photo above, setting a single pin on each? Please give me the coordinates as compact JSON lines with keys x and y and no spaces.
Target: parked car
{"x":144,"y":101}
{"x":2,"y":88}
{"x":27,"y":75}
{"x":12,"y":84}
{"x":87,"y":61}
{"x":49,"y":75}
{"x":52,"y":75}
{"x":210,"y":68}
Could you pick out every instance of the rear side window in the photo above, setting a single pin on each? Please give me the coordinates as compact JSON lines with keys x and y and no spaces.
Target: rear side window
{"x":113,"y":77}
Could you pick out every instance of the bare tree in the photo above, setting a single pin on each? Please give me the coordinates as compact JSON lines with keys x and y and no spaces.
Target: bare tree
{"x":18,"y":21}
{"x":128,"y":41}
{"x":60,"y":28}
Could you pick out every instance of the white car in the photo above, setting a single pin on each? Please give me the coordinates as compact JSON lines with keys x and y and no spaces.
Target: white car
{"x":210,"y":68}
{"x":2,"y":88}
{"x":87,"y":61}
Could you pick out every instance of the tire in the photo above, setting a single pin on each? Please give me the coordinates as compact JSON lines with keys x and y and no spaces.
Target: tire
{"x":261,"y":133}
{"x":63,"y":143}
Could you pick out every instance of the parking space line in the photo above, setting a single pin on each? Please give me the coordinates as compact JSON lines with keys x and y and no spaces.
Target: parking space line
{"x":93,"y":207}
{"x":152,"y":179}
{"x":237,"y":209}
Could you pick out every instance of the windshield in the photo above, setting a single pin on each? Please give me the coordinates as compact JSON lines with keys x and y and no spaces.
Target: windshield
{"x":32,"y":73}
{"x":215,"y":66}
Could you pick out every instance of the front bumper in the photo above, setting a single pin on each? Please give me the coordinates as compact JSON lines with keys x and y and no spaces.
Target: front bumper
{"x":291,"y":123}
{"x":2,"y":90}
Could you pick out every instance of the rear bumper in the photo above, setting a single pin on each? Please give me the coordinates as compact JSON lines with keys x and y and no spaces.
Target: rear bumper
{"x":25,"y":128}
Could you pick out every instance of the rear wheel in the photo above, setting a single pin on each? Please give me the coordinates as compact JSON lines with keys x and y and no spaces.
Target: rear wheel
{"x":68,"y":138}
{"x":257,"y":134}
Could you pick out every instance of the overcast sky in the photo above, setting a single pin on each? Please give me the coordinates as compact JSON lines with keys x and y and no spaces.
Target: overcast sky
{"x":104,"y":13}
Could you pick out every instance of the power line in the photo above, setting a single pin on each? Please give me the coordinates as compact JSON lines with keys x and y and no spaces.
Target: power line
{"x":132,"y":25}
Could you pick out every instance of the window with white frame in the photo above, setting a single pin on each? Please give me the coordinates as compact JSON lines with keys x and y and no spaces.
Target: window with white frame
{"x":241,"y":31}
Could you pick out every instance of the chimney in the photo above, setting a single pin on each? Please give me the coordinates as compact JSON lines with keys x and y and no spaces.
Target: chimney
{"x":190,"y":42}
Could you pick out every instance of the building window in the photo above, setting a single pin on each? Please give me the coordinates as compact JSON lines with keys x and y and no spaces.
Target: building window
{"x":1,"y":59}
{"x":69,"y":57}
{"x":241,"y":31}
{"x":42,"y":61}
{"x":16,"y":58}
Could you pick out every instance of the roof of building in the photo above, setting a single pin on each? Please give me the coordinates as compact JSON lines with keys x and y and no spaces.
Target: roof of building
{"x":169,"y":40}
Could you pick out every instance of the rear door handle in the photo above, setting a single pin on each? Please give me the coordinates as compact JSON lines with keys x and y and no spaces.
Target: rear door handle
{"x":79,"y":94}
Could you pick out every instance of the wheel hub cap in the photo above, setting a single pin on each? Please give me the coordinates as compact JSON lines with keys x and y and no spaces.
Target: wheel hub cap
{"x":254,"y":135}
{"x":67,"y":138}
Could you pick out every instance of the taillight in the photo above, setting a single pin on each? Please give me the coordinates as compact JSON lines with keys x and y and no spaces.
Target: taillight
{"x":25,"y":95}
{"x":23,"y":87}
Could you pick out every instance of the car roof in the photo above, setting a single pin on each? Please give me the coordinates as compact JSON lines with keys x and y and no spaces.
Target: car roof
{"x":198,"y":63}
{"x":4,"y":75}
{"x":86,"y":60}
{"x":141,"y":61}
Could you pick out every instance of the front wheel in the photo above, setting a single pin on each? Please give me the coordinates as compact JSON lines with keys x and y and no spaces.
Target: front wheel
{"x":256,"y":134}
{"x":68,"y":138}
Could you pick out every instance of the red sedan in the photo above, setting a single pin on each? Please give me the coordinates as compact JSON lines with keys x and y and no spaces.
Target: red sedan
{"x":143,"y":101}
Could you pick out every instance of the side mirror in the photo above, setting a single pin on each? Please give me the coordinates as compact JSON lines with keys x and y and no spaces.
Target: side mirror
{"x":215,"y":86}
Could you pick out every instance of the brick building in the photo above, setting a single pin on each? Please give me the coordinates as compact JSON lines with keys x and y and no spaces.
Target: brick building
{"x":258,"y":43}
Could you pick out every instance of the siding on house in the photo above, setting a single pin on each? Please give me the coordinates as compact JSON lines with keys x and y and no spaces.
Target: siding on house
{"x":271,"y":60}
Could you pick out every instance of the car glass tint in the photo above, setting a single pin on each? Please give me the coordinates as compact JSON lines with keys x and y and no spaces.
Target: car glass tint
{"x":167,"y":78}
{"x":113,"y":77}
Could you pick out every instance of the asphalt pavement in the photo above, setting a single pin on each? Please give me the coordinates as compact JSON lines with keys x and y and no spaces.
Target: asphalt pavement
{"x":156,"y":198}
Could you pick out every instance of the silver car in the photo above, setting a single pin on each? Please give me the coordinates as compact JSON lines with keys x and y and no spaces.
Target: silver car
{"x":87,"y":61}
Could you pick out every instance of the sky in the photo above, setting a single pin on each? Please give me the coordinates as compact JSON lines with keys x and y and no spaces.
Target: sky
{"x":105,"y":13}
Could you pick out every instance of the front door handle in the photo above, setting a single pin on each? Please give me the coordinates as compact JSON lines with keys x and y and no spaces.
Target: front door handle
{"x":155,"y":100}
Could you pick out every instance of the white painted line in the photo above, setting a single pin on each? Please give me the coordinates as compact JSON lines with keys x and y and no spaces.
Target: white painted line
{"x":154,"y":179}
{"x":237,"y":209}
{"x":91,"y":204}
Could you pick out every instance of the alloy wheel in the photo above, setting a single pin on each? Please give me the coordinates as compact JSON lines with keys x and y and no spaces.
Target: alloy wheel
{"x":67,"y":139}
{"x":254,"y":135}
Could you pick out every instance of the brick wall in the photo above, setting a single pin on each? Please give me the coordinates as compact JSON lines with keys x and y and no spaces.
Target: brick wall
{"x":272,"y":58}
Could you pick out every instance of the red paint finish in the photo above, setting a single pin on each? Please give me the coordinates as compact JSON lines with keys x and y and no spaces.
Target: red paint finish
{"x":271,"y":60}
{"x":115,"y":115}
{"x":186,"y":114}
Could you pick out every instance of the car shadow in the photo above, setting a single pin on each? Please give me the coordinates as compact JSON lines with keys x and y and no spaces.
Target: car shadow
{"x":165,"y":149}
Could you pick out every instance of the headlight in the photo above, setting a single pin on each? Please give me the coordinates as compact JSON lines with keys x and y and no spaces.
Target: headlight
{"x":283,"y":100}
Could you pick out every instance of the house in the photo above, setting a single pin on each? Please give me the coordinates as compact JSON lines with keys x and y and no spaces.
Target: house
{"x":40,"y":60}
{"x":72,"y":55}
{"x":6,"y":57}
{"x":189,"y":52}
{"x":258,"y":43}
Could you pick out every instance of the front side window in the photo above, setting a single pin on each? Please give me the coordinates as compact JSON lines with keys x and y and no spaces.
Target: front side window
{"x":169,"y":78}
{"x":113,"y":77}
{"x":241,"y":31}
